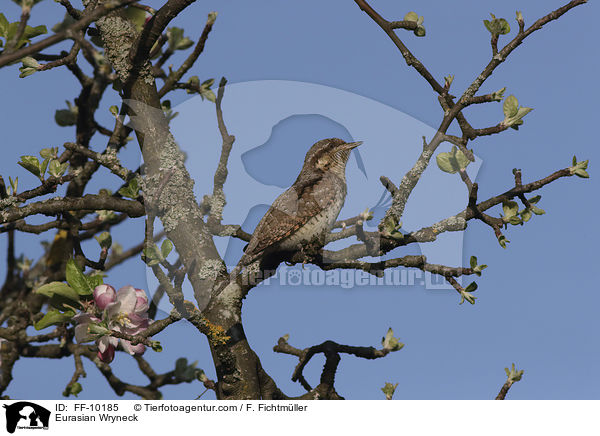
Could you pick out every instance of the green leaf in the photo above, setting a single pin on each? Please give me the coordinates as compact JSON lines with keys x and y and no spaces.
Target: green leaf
{"x":114,"y":110}
{"x":31,"y":164}
{"x":94,"y":280}
{"x":14,"y":184}
{"x":391,"y":343}
{"x":461,"y":159}
{"x":477,"y":270}
{"x":185,"y":43}
{"x":497,"y":26}
{"x":420,"y":31}
{"x":475,"y":267}
{"x":526,"y":215}
{"x":515,"y":125}
{"x":503,"y":241}
{"x":32,"y":32}
{"x":411,"y":16}
{"x":151,"y":255}
{"x":72,"y":389}
{"x":212,"y":17}
{"x":504,"y":26}
{"x":53,"y":317}
{"x":166,"y":248}
{"x":453,"y":161}
{"x":515,"y":220}
{"x":132,"y":190}
{"x":510,"y":208}
{"x":166,"y":107}
{"x":67,"y":117}
{"x":12,"y":31}
{"x":77,"y":279}
{"x":473,"y":262}
{"x":63,"y":303}
{"x":28,"y":3}
{"x":579,"y":168}
{"x":511,"y":106}
{"x":498,"y":95}
{"x":58,"y":288}
{"x":57,"y":169}
{"x":389,"y":390}
{"x":201,"y":376}
{"x":391,"y":228}
{"x":104,"y":239}
{"x":536,"y":210}
{"x":185,"y":372}
{"x":155,"y":345}
{"x":49,"y":153}
{"x":513,"y":114}
{"x":26,"y":71}
{"x":3,"y":25}
{"x":519,"y":15}
{"x":180,"y":366}
{"x":176,"y":39}
{"x":208,"y":94}
{"x":465,"y":296}
{"x":523,"y":111}
{"x":43,"y":167}
{"x":514,"y":375}
{"x":472,"y":287}
{"x":97,"y":328}
{"x":137,"y":16}
{"x":193,"y":81}
{"x":488,"y":25}
{"x":30,"y":62}
{"x":208,"y":83}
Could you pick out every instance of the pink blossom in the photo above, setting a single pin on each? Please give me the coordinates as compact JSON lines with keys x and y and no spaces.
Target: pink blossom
{"x":83,"y":321}
{"x":133,"y":349}
{"x":125,"y":311}
{"x":129,"y":315}
{"x":104,"y":295}
{"x":108,"y":355}
{"x":135,"y":300}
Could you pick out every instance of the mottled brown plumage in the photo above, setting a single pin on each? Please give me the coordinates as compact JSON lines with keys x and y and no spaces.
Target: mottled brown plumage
{"x":307,"y":210}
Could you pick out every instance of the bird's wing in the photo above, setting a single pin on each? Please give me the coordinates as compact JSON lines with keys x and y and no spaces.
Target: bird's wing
{"x":290,"y":211}
{"x":287,"y":214}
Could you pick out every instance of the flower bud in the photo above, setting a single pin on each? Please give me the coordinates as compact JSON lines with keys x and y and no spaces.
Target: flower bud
{"x":104,"y":295}
{"x":108,"y":355}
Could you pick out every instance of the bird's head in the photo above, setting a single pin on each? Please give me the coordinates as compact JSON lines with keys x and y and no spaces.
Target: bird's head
{"x":329,"y":155}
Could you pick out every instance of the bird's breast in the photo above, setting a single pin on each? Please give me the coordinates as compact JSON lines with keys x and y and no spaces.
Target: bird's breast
{"x":330,"y":198}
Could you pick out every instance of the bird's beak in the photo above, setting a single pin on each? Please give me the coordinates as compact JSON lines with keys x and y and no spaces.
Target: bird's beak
{"x":350,"y":145}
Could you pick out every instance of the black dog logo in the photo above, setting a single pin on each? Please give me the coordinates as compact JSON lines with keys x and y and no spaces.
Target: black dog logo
{"x":26,"y":415}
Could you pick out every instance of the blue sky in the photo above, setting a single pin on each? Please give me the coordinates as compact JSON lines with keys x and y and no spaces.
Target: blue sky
{"x":537,"y":301}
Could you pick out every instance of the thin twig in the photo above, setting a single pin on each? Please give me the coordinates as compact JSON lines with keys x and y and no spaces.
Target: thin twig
{"x":189,"y":62}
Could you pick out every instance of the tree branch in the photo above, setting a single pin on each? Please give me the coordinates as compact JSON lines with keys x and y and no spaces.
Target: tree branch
{"x":85,"y":21}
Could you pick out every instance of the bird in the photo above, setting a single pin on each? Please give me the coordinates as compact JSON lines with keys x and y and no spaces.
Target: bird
{"x":305,"y":212}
